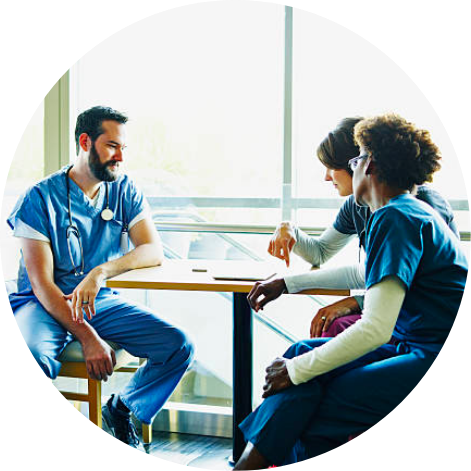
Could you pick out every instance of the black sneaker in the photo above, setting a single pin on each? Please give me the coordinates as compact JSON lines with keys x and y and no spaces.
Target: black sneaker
{"x":119,"y":424}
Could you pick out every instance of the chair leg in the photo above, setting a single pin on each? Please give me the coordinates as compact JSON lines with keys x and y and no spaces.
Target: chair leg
{"x":94,"y":403}
{"x":146,"y":433}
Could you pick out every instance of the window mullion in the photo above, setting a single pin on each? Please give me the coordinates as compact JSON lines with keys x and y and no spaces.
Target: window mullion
{"x":286,"y":199}
{"x":57,"y":126}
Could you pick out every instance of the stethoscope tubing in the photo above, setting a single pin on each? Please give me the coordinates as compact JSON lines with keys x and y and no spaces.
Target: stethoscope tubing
{"x":73,"y":229}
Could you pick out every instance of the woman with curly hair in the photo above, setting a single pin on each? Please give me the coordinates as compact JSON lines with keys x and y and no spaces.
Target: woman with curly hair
{"x":397,"y":144}
{"x":324,"y":390}
{"x":334,"y":152}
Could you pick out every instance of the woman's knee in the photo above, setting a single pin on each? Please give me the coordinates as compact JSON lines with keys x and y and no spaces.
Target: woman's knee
{"x":304,"y":346}
{"x":340,"y":324}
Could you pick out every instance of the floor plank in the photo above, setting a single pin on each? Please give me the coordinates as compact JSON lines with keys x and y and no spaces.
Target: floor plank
{"x":192,"y":450}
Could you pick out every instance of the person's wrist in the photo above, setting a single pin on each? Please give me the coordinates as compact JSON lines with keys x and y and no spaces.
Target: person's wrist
{"x":98,"y":274}
{"x":281,"y":285}
{"x":353,"y":305}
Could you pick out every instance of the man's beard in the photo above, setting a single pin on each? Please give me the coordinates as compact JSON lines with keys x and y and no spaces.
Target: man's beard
{"x":101,"y":171}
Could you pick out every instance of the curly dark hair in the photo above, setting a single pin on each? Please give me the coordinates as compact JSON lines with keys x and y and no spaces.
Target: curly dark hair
{"x":404,"y":154}
{"x":339,"y":146}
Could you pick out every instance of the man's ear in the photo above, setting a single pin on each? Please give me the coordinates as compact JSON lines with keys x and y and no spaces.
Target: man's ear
{"x":85,"y":142}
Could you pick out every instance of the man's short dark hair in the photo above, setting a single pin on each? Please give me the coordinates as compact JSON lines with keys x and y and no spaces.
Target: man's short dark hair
{"x":90,"y":122}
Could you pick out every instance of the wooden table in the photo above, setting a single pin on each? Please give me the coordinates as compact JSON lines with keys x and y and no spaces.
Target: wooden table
{"x":179,"y":275}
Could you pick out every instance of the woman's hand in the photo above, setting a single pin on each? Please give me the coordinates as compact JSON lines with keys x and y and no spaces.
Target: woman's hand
{"x":325,"y":316}
{"x":84,"y":294}
{"x":267,"y":291}
{"x":277,"y":378}
{"x":282,"y":242}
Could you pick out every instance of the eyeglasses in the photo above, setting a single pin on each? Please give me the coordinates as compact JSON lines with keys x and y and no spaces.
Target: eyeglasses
{"x":353,"y":163}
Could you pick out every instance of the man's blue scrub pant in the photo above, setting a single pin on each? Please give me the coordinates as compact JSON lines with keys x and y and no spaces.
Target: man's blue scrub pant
{"x":315,"y":417}
{"x":137,"y":329}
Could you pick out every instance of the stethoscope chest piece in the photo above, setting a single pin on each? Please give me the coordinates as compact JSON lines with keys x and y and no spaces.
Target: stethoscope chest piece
{"x":107,"y":214}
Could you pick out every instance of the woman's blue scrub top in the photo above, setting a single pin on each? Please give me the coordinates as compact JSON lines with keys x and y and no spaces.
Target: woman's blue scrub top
{"x":408,"y":239}
{"x":44,"y":207}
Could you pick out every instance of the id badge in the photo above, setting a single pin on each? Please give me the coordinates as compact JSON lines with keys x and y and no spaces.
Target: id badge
{"x":124,"y":242}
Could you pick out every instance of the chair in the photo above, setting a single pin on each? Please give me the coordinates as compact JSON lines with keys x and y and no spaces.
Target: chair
{"x":73,"y":366}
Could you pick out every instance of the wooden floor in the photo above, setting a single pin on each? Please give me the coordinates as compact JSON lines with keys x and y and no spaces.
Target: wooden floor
{"x":192,"y":450}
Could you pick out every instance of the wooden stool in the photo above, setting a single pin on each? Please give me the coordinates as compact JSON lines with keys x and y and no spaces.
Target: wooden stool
{"x":73,"y":366}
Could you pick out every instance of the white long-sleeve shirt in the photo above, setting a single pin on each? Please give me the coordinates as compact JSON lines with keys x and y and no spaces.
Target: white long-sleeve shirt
{"x":369,"y":332}
{"x":383,"y":302}
{"x":318,"y":250}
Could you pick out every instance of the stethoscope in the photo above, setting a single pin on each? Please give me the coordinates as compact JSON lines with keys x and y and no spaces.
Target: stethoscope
{"x":72,"y":230}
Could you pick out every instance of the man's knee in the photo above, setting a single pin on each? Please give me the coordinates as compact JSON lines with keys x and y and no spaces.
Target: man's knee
{"x":48,"y":364}
{"x":182,"y":346}
{"x":43,"y":335}
{"x":187,"y":346}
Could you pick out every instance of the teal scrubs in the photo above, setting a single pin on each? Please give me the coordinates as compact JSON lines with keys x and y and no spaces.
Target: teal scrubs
{"x":407,"y":239}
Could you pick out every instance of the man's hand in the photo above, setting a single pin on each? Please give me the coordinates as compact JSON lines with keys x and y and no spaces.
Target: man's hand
{"x":99,"y":358}
{"x":325,"y":316}
{"x":84,"y":294}
{"x":267,"y":291}
{"x":282,"y":242}
{"x":277,"y":378}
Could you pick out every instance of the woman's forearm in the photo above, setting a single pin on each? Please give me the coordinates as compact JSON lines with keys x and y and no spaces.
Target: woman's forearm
{"x":383,"y":302}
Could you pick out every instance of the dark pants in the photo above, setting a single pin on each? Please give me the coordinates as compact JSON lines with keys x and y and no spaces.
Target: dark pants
{"x":315,"y":417}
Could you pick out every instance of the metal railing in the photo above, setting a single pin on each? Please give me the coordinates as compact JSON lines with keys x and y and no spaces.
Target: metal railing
{"x":161,"y":204}
{"x":211,"y":227}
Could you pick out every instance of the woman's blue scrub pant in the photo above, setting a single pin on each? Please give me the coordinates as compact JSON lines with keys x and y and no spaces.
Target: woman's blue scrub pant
{"x":135,"y":328}
{"x":315,"y":417}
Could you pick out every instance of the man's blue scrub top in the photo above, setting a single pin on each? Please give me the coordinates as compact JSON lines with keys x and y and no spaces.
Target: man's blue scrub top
{"x":408,"y":239}
{"x":44,"y":207}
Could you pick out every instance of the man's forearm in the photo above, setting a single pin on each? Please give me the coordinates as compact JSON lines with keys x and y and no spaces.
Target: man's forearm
{"x":143,"y":256}
{"x":52,"y":299}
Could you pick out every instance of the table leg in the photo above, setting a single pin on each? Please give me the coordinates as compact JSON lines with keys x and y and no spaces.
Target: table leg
{"x":242,"y":369}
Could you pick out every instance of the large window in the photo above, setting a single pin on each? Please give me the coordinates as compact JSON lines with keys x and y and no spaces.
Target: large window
{"x":208,"y":89}
{"x":336,"y":74}
{"x":203,"y":87}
